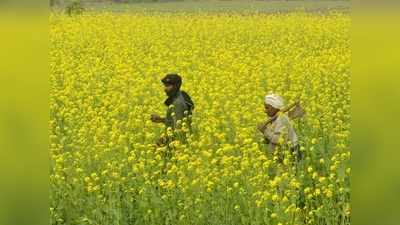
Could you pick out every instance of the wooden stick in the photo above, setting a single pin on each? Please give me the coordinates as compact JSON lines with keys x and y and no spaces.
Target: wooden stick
{"x":285,"y":110}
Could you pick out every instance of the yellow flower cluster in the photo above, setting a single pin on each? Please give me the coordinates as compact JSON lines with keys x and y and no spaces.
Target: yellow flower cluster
{"x":105,"y":77}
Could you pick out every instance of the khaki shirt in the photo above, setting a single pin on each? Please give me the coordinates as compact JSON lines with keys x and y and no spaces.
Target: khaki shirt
{"x":280,"y":128}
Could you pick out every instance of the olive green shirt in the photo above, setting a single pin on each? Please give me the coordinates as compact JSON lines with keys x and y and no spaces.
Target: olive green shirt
{"x":178,"y":108}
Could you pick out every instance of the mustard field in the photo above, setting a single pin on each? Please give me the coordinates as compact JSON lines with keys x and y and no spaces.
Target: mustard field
{"x":105,"y":83}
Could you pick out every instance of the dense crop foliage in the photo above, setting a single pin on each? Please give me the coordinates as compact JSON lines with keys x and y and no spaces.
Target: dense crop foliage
{"x":105,"y":77}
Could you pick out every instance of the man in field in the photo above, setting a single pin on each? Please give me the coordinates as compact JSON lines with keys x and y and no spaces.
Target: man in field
{"x":179,"y":103}
{"x":279,"y":132}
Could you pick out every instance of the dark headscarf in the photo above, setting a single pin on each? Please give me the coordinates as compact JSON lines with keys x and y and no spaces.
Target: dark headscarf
{"x":173,"y":79}
{"x":176,"y":80}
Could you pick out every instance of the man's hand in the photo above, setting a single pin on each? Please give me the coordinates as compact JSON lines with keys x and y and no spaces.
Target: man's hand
{"x":162,"y":141}
{"x":261,"y":127}
{"x":157,"y":119}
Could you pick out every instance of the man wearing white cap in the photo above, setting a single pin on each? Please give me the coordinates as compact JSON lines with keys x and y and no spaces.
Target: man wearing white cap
{"x":280,"y":131}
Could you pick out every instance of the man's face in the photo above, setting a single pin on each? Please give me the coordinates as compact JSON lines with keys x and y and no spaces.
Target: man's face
{"x":168,"y":88}
{"x":269,"y":110}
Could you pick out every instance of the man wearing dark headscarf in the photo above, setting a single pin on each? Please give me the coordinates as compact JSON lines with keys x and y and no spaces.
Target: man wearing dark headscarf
{"x":179,"y":103}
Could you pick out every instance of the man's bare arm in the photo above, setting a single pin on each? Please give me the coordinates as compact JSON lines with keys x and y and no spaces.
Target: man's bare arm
{"x":157,"y":119}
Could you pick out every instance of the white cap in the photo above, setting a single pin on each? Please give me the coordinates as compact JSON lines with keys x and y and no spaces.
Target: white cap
{"x":275,"y":101}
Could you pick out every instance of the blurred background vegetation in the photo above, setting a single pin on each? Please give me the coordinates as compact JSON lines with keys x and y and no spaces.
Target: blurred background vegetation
{"x":269,"y":6}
